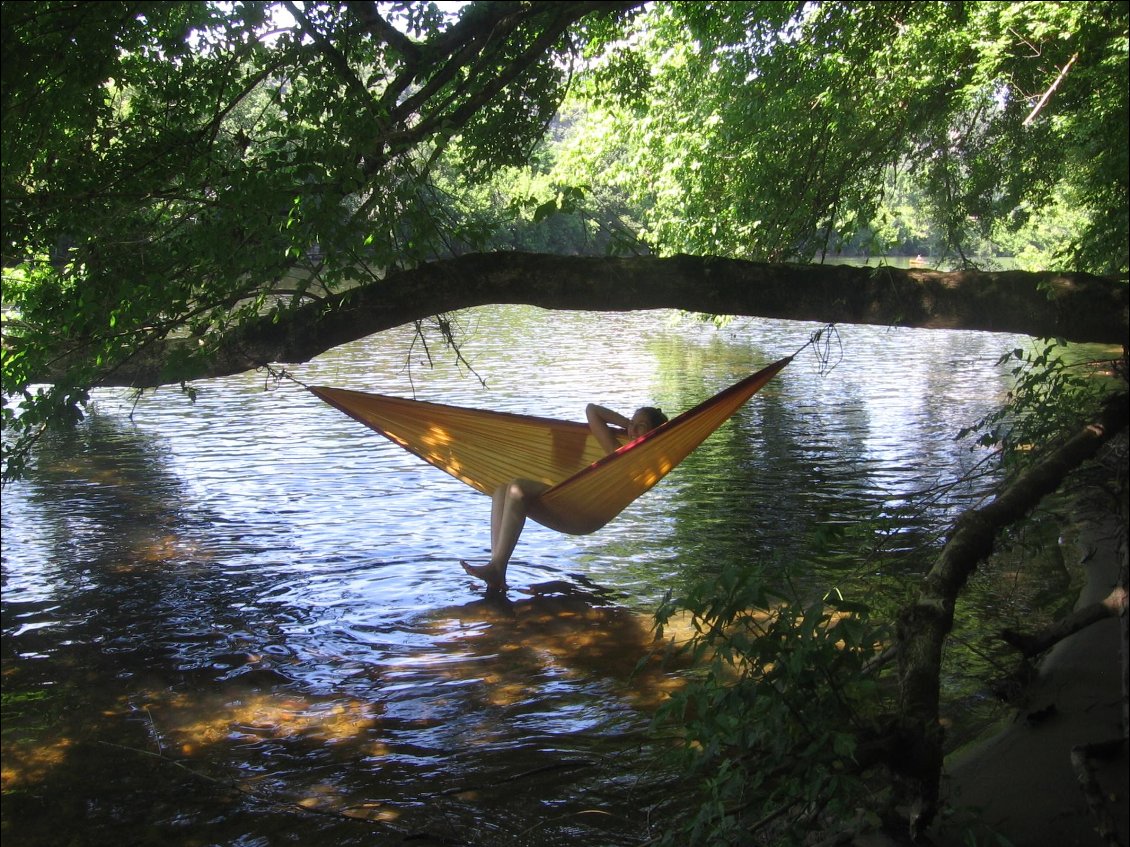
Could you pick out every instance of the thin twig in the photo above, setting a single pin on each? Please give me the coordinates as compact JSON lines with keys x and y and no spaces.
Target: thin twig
{"x":1047,"y":94}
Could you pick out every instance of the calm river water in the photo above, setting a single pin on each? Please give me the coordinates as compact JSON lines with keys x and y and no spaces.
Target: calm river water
{"x":242,"y":621}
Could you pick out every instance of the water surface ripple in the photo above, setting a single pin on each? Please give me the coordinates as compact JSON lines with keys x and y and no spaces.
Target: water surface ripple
{"x":256,"y":587}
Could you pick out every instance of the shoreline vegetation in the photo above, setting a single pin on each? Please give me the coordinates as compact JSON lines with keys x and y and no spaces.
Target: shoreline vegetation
{"x":1055,"y":771}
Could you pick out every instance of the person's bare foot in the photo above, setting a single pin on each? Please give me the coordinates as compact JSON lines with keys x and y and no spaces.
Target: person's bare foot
{"x":495,"y":580}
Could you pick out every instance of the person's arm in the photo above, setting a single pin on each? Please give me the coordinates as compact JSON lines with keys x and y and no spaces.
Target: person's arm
{"x":602,"y":421}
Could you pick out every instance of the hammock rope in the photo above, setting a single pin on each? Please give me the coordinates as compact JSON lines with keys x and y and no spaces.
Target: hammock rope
{"x":822,"y":343}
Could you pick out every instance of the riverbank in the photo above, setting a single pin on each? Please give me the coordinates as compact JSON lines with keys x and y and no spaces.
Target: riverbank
{"x":1018,"y":785}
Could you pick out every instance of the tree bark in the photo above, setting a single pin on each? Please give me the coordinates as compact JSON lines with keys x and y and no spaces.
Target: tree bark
{"x":922,"y":627}
{"x":1076,"y":307}
{"x":1032,"y":645}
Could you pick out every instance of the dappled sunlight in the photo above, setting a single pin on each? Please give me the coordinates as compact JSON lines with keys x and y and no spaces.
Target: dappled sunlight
{"x":165,"y":549}
{"x":435,"y":437}
{"x":658,"y":468}
{"x":29,"y":761}
{"x":648,"y":478}
{"x":487,"y":677}
{"x":684,"y":628}
{"x":371,"y":812}
{"x":327,"y":798}
{"x":435,"y":446}
{"x":559,"y":635}
{"x":190,"y":723}
{"x":210,"y":727}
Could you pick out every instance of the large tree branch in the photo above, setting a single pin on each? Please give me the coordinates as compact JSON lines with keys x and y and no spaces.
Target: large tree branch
{"x":370,"y":16}
{"x":1077,"y":307}
{"x":338,"y":62}
{"x":479,"y":44}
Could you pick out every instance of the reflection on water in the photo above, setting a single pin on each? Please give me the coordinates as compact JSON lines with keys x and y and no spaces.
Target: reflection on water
{"x":249,"y":611}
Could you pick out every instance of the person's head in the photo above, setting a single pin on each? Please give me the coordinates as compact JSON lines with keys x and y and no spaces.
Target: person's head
{"x":645,"y":420}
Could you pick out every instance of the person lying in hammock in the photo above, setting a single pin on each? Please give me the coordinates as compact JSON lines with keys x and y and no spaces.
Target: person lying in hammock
{"x":512,"y":501}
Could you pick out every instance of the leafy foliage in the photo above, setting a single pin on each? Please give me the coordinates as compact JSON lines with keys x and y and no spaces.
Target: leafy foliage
{"x":776,"y":131}
{"x":181,"y":169}
{"x":1054,"y":392}
{"x":772,"y":728}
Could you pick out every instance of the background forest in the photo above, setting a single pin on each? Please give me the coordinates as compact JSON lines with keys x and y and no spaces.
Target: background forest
{"x":886,"y":138}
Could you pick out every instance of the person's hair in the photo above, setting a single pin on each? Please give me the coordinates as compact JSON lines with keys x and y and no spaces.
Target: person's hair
{"x":655,"y":416}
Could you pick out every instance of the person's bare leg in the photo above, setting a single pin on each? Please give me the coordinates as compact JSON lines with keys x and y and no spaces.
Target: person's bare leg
{"x":507,"y":519}
{"x":497,"y":508}
{"x":491,"y":574}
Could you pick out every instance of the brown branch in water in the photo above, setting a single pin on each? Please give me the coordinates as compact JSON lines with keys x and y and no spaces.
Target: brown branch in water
{"x":924,"y":625}
{"x":1033,"y":644}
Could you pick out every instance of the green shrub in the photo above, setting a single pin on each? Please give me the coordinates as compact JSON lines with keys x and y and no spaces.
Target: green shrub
{"x":772,"y":719}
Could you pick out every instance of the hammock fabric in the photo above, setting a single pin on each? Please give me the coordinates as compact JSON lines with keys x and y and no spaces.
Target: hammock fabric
{"x":586,"y":487}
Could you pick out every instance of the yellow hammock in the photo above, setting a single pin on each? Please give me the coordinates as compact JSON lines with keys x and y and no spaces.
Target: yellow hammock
{"x":587,"y":488}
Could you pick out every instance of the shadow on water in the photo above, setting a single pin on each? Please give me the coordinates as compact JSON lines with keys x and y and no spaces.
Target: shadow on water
{"x":146,"y":692}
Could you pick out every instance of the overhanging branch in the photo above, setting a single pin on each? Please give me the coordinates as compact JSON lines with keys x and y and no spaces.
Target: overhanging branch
{"x":1077,"y":307}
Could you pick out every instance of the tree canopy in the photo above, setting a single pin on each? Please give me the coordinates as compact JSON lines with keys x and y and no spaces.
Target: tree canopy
{"x":182,"y":168}
{"x":773,"y":132}
{"x":178,"y":174}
